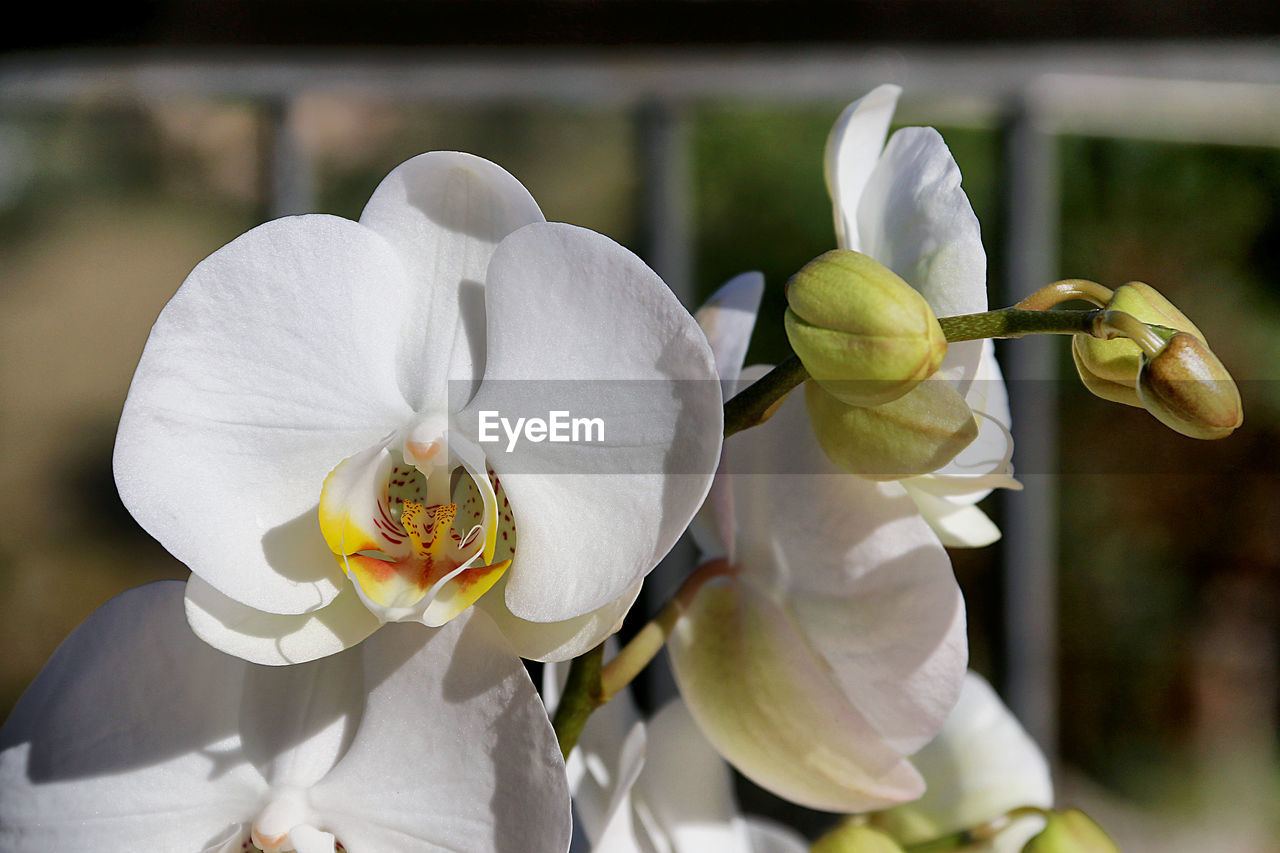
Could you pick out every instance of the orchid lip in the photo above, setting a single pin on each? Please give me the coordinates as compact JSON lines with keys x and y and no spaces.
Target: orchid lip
{"x":414,"y":522}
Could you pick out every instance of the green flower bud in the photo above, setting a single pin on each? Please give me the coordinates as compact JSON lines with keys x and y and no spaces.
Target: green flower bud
{"x":1109,"y":369}
{"x":862,"y":332}
{"x":919,"y":432}
{"x":1071,"y":831}
{"x":1188,"y":390}
{"x":855,"y":838}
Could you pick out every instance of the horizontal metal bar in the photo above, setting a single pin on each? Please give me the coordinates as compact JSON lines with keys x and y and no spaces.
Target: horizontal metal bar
{"x":972,"y":81}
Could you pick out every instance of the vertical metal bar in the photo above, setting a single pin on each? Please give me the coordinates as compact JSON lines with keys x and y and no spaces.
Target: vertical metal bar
{"x":289,"y":173}
{"x":666,"y":241}
{"x":666,"y":244}
{"x":1030,"y":520}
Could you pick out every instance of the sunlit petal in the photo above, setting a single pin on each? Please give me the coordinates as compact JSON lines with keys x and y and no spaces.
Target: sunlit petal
{"x":915,"y":218}
{"x":627,"y":354}
{"x":981,"y":765}
{"x":464,"y":739}
{"x":272,"y":363}
{"x":853,"y":148}
{"x":128,"y":739}
{"x":445,"y":212}
{"x":273,"y":638}
{"x":769,"y":705}
{"x":562,"y":640}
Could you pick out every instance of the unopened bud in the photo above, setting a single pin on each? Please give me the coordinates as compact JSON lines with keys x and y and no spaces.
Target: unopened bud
{"x":1109,"y":368}
{"x":853,"y":838}
{"x":1186,"y":387}
{"x":915,"y":434}
{"x":1071,"y":831}
{"x":862,"y":332}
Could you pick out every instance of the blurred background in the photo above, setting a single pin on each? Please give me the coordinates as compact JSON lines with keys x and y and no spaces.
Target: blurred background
{"x":1130,"y":614}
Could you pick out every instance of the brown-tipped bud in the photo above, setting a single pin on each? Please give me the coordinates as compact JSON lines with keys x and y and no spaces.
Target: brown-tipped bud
{"x":918,"y":433}
{"x":852,"y":838}
{"x":1109,"y":369}
{"x":862,"y":332}
{"x":1071,"y":831}
{"x":1186,"y":387}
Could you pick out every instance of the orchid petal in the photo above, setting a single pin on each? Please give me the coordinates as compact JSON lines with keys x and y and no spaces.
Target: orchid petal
{"x":915,"y":218}
{"x":987,"y":463}
{"x":957,"y":525}
{"x":139,"y":736}
{"x":981,"y":765}
{"x":628,"y":354}
{"x":769,"y":837}
{"x":769,"y":705}
{"x":854,"y":564}
{"x":355,"y":514}
{"x":272,"y":638}
{"x":557,"y":641}
{"x":853,"y":148}
{"x":127,"y":738}
{"x":298,"y":721}
{"x":445,"y":212}
{"x":988,"y":394}
{"x":727,"y":319}
{"x":685,"y":791}
{"x":272,"y":363}
{"x":306,"y":839}
{"x":604,"y":766}
{"x":463,"y":734}
{"x":602,"y":772}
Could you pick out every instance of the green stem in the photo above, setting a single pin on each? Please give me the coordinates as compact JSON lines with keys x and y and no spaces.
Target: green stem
{"x":650,"y":639}
{"x":637,"y":654}
{"x":582,"y":695}
{"x":752,"y":406}
{"x":1016,"y":322}
{"x":591,"y":685}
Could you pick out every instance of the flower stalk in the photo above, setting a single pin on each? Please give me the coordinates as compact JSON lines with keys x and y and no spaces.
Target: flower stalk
{"x":582,"y":695}
{"x":752,"y":406}
{"x":592,"y":684}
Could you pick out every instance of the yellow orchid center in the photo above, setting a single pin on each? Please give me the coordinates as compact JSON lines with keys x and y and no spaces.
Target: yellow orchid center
{"x":420,"y":525}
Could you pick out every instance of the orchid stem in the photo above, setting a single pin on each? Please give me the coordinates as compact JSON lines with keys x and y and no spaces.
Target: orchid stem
{"x":1016,"y":322}
{"x":751,"y":407}
{"x":582,"y":695}
{"x":650,"y":639}
{"x":591,"y":685}
{"x":755,"y":403}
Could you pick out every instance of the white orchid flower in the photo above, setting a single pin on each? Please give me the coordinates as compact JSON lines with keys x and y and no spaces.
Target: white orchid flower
{"x":306,"y":428}
{"x":657,"y":787}
{"x":139,"y":736}
{"x":827,"y":641}
{"x":982,"y":765}
{"x":902,"y":204}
